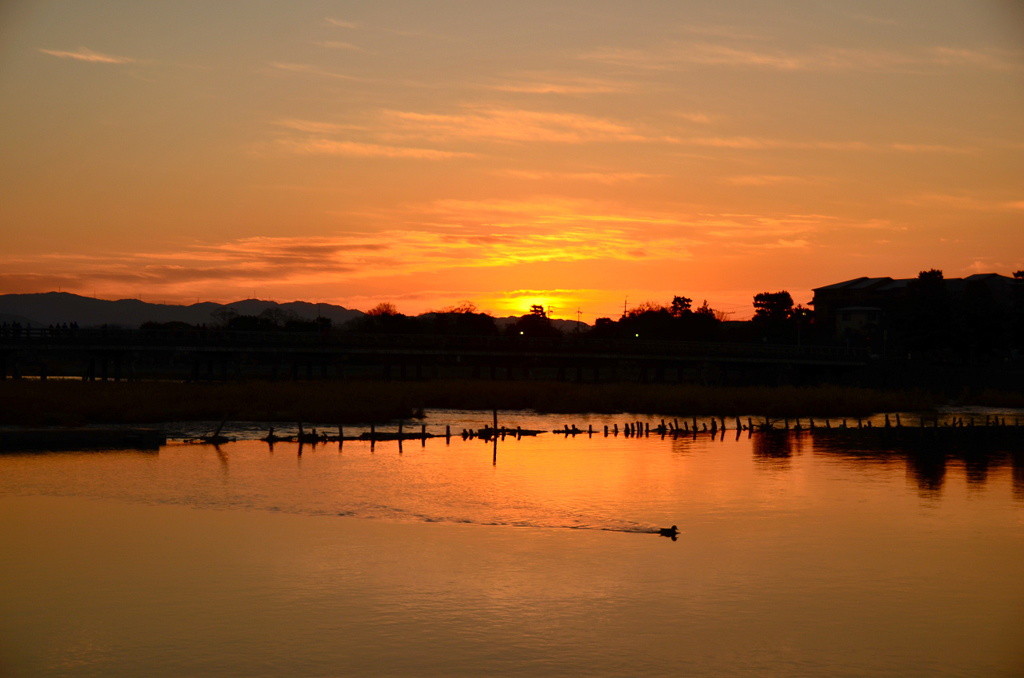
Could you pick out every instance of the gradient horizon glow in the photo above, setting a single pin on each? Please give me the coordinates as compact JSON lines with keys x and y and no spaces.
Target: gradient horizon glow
{"x":582,"y":156}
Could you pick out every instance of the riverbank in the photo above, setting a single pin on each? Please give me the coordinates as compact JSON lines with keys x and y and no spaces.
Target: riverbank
{"x":63,"y":402}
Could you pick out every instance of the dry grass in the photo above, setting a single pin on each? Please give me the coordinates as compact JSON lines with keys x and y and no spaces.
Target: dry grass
{"x":73,"y":402}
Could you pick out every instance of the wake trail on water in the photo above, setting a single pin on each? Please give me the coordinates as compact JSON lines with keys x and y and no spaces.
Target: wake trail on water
{"x":394,"y":513}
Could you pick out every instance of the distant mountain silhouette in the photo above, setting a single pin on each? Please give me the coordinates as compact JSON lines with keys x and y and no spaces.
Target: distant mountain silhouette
{"x":54,"y":308}
{"x":62,"y":307}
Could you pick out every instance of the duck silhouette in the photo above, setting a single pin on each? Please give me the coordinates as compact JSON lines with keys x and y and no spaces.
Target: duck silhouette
{"x":672,"y":532}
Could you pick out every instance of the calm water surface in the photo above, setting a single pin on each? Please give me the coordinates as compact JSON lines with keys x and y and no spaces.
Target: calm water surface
{"x":799,"y":555}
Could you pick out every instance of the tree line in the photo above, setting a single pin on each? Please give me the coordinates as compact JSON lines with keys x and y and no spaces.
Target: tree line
{"x":925,"y":321}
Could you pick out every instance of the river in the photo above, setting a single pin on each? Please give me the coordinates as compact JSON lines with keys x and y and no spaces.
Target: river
{"x":798,"y":554}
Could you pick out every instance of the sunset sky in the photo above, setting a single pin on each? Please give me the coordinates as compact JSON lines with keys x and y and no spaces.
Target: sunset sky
{"x":581,"y":155}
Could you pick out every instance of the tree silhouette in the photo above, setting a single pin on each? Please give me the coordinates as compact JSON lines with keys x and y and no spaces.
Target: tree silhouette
{"x":383,"y":308}
{"x":773,"y":307}
{"x":680,"y":305}
{"x":534,"y":324}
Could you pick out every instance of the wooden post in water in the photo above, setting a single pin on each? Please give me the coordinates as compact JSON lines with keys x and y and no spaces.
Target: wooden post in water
{"x":495,"y":421}
{"x":447,"y":433}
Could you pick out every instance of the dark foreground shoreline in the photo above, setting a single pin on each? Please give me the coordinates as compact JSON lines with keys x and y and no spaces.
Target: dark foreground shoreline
{"x":65,"y":402}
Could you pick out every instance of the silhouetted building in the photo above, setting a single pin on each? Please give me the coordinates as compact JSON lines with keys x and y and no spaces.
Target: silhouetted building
{"x":982,"y":310}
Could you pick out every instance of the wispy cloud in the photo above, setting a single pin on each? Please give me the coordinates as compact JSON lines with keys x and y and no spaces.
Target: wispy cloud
{"x":357,"y":149}
{"x":513,"y":125}
{"x":552,"y":84}
{"x":765,"y":180}
{"x":595,"y":177}
{"x":679,"y":55}
{"x":308,"y":69}
{"x":963,"y":201}
{"x":314,"y":127}
{"x":342,"y":24}
{"x":930,"y":148}
{"x":985,"y":59}
{"x":84,"y":54}
{"x":757,"y":143}
{"x":335,"y":44}
{"x":699,"y":118}
{"x":764,"y":144}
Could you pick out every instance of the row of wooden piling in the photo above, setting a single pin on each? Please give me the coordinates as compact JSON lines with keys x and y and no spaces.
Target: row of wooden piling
{"x":634,"y":428}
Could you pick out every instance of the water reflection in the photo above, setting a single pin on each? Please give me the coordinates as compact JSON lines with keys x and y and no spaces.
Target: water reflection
{"x":929,"y":454}
{"x":1018,"y":475}
{"x":928,"y":471}
{"x":773,"y":449}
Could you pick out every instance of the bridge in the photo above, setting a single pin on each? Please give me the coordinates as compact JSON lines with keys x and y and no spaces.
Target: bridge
{"x":198,"y":354}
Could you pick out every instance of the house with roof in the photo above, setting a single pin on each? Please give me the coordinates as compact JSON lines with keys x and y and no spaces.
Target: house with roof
{"x":867,"y":311}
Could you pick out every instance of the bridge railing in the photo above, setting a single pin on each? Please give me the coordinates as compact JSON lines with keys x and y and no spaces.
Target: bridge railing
{"x":581,"y":345}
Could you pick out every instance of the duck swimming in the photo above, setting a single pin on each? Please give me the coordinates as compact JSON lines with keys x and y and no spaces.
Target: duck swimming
{"x":672,"y":532}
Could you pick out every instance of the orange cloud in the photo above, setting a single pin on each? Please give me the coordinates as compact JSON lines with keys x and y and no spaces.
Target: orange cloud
{"x":553,"y":84}
{"x":84,"y":54}
{"x":678,"y":55}
{"x":334,"y":44}
{"x":320,"y":146}
{"x":341,"y":24}
{"x":309,"y":69}
{"x":511,"y":125}
{"x":596,"y":177}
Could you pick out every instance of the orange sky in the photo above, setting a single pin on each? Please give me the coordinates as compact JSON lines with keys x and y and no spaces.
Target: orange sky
{"x":565,"y":153}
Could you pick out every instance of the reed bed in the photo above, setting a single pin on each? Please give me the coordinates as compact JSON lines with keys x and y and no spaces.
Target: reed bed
{"x":58,"y":402}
